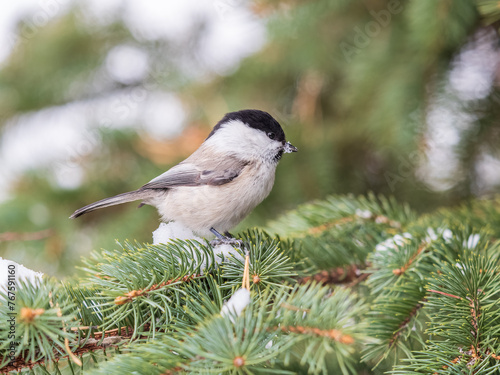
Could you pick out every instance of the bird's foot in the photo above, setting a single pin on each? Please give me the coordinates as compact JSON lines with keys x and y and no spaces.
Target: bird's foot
{"x":225,"y":240}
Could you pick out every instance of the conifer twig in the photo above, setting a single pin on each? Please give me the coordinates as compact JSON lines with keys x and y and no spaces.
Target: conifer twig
{"x":128,"y":297}
{"x":333,"y":334}
{"x":350,"y":275}
{"x":443,"y":293}
{"x":378,"y":219}
{"x":404,"y":268}
{"x":89,"y":346}
{"x":404,"y":323}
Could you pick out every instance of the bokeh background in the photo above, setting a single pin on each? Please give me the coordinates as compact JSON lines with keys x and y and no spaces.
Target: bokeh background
{"x":397,"y":97}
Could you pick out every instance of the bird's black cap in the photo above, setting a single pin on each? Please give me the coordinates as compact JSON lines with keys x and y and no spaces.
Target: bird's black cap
{"x":256,"y":119}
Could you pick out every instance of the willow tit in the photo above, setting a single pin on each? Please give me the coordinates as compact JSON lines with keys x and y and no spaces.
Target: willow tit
{"x":221,"y":182}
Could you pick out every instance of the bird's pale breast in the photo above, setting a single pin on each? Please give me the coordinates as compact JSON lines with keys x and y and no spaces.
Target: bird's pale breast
{"x":221,"y":207}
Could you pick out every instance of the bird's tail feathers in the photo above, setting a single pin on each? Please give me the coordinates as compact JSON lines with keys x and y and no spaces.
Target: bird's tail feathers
{"x":112,"y":201}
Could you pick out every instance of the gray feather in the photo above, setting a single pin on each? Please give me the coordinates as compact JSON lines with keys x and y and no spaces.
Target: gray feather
{"x":191,"y":174}
{"x":112,"y":201}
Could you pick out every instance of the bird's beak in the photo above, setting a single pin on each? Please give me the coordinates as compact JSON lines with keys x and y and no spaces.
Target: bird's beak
{"x":289,"y":148}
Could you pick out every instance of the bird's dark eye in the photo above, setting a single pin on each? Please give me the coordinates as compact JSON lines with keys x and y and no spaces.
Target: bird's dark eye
{"x":271,"y":135}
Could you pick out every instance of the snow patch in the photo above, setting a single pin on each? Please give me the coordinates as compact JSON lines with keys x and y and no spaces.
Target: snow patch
{"x":394,"y":243}
{"x":364,"y":214}
{"x":174,"y":230}
{"x":447,"y":235}
{"x":237,"y":303}
{"x":472,"y":241}
{"x":20,"y":273}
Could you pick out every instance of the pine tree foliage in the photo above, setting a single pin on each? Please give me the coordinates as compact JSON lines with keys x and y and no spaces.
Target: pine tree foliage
{"x":343,"y":230}
{"x":462,"y":304}
{"x":139,"y":285}
{"x":263,"y":248}
{"x":44,"y":317}
{"x":302,"y":325}
{"x":349,"y":284}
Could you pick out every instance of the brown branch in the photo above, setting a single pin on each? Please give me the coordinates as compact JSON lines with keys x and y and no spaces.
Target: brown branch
{"x":403,"y":269}
{"x":475,"y":314}
{"x":128,"y":297}
{"x":350,"y":276}
{"x":333,"y":334}
{"x":321,"y":228}
{"x":404,"y":323}
{"x":123,"y":331}
{"x":87,"y":345}
{"x":27,"y":236}
{"x":362,"y":277}
{"x":378,"y":219}
{"x":444,"y":294}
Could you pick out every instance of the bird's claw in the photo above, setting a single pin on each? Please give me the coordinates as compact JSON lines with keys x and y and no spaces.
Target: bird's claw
{"x":227,"y":241}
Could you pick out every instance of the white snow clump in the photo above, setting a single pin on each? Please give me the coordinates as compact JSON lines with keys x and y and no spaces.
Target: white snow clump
{"x":394,"y":242}
{"x":20,"y":273}
{"x":236,"y":304}
{"x":175,"y":230}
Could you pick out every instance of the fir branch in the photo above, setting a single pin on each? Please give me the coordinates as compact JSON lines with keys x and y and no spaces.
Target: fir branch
{"x":257,"y":341}
{"x":481,"y":216}
{"x":463,"y":308}
{"x":396,"y":260}
{"x":326,"y":322}
{"x":85,"y":297}
{"x":143,"y":284}
{"x":401,"y":270}
{"x":336,"y":211}
{"x":269,"y":262}
{"x":43,"y":329}
{"x":404,"y":324}
{"x":342,"y":230}
{"x":365,"y":215}
{"x":128,"y":297}
{"x":350,"y":276}
{"x":163,"y":302}
{"x":112,"y":338}
{"x":332,"y":334}
{"x":394,"y":317}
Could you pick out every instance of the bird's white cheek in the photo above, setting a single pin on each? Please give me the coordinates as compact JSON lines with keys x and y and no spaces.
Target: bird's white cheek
{"x":239,"y":139}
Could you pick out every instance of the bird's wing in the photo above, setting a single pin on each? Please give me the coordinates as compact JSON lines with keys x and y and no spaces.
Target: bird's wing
{"x":218,"y":172}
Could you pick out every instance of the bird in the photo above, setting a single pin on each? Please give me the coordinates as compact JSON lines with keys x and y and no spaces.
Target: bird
{"x":221,"y":182}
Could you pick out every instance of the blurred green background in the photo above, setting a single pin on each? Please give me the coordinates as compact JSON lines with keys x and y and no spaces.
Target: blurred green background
{"x":97,"y":98}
